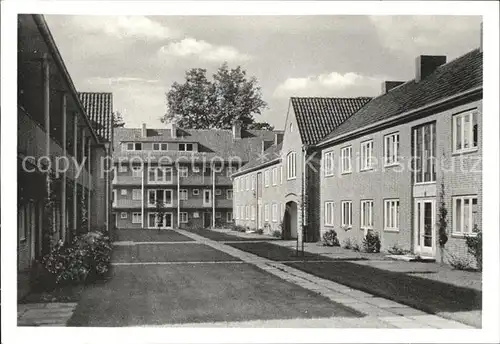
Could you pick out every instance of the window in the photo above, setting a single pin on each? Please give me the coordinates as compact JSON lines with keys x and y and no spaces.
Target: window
{"x":328,"y":163}
{"x":291,"y":127}
{"x":346,"y":207}
{"x":183,"y":217}
{"x":218,"y":192}
{"x":465,"y":131}
{"x":134,"y":146}
{"x":424,"y":153}
{"x":242,"y":184}
{"x":196,"y":168}
{"x":236,"y":215}
{"x":281,"y":174}
{"x":123,"y":215}
{"x":196,"y":192}
{"x":123,"y":192}
{"x":247,"y":182}
{"x":136,"y":194}
{"x":218,"y":215}
{"x":391,"y":149}
{"x":229,"y":216}
{"x":136,"y":217}
{"x":242,"y":212}
{"x":367,"y":214}
{"x":21,"y":223}
{"x":275,"y":175}
{"x":160,"y":146}
{"x":266,"y":178}
{"x":346,"y":158}
{"x":275,"y":212}
{"x":115,"y":197}
{"x":160,"y":195}
{"x":291,"y":165}
{"x":253,"y":182}
{"x":186,"y":147}
{"x":391,"y":215}
{"x":266,"y":212}
{"x":253,"y":212}
{"x":229,"y":194}
{"x":123,"y":168}
{"x":366,"y":155}
{"x":329,"y":213}
{"x":183,"y":171}
{"x":465,"y":215}
{"x":183,"y":194}
{"x":137,"y":172}
{"x":247,"y":212}
{"x":160,"y":175}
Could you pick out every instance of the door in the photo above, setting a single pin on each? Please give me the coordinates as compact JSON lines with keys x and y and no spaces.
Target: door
{"x":425,"y":231}
{"x":207,"y":219}
{"x":207,"y":197}
{"x":161,"y":222}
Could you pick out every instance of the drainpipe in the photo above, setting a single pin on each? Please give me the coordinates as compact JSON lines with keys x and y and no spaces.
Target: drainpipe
{"x":107,"y":186}
{"x":142,"y":193}
{"x":46,"y":115}
{"x":178,"y":197}
{"x":304,"y":223}
{"x":63,"y":189}
{"x":75,"y":179}
{"x":90,"y":184}
{"x":213,"y":196}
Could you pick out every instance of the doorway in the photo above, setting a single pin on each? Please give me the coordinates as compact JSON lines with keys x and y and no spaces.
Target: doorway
{"x":425,"y":231}
{"x":290,"y":221}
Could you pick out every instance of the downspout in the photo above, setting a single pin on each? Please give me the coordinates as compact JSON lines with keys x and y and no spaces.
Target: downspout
{"x":304,"y":223}
{"x":107,"y":188}
{"x":213,"y":196}
{"x":142,"y":193}
{"x":178,"y":197}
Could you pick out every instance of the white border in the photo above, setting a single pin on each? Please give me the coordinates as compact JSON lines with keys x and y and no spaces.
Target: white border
{"x":11,"y":333}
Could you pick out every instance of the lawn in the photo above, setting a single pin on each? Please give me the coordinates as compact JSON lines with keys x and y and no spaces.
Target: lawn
{"x":187,"y":293}
{"x":148,"y":235}
{"x":424,"y":294}
{"x":218,"y":236}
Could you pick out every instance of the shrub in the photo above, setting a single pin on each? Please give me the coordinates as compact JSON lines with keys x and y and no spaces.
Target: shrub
{"x":276,"y":233}
{"x":371,"y":242}
{"x":330,"y":238}
{"x":397,"y":250}
{"x":475,"y":247}
{"x":86,"y":258}
{"x":238,"y":228}
{"x":460,"y":262}
{"x":259,"y":231}
{"x":347,"y":244}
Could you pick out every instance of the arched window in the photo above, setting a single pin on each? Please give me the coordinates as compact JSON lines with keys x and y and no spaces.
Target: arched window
{"x":291,"y":165}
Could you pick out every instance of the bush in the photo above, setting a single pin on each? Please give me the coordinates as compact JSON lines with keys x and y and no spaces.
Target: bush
{"x":475,"y":247}
{"x":355,"y":247}
{"x":397,"y":250}
{"x":259,"y":231}
{"x":86,"y":258}
{"x":371,"y":242}
{"x":347,"y":244}
{"x":330,"y":238}
{"x":238,"y":228}
{"x":460,"y":262}
{"x":276,"y":233}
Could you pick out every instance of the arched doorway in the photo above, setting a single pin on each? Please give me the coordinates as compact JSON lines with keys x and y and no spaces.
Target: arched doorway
{"x":290,"y":221}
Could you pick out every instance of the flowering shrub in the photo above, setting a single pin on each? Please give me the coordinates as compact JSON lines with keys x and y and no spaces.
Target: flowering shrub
{"x":276,"y":233}
{"x":371,"y":242}
{"x":475,"y":246}
{"x":87,"y":257}
{"x":330,"y":238}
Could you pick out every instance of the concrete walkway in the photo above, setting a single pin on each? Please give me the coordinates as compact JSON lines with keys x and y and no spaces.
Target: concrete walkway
{"x":380,"y":312}
{"x":44,"y":314}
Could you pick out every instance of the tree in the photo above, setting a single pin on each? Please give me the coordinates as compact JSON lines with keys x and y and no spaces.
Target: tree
{"x":160,"y":213}
{"x":260,"y":126}
{"x":118,"y":121}
{"x":200,"y":103}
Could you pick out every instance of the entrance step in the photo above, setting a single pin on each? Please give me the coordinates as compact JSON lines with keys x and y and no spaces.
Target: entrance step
{"x":411,"y":258}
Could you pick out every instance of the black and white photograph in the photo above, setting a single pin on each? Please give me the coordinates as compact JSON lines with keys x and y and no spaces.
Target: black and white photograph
{"x":261,"y":167}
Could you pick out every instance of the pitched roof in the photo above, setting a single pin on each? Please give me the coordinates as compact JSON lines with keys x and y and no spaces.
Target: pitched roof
{"x":462,"y":74}
{"x":317,"y":117}
{"x":211,"y":142}
{"x":99,"y":109}
{"x":270,"y":154}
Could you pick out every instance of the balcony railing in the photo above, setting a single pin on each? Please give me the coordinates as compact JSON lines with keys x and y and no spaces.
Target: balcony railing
{"x":127,"y":204}
{"x":223,"y":203}
{"x":127,"y":180}
{"x":31,"y":143}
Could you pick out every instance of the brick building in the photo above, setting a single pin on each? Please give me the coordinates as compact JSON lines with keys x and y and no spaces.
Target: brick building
{"x":54,"y":131}
{"x":181,"y":174}
{"x":389,"y":166}
{"x":270,"y":190}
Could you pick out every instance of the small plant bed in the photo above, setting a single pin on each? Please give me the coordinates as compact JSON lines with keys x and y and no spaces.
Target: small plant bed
{"x":68,"y":293}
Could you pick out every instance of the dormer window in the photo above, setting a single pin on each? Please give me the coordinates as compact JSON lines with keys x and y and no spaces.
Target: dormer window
{"x":160,"y":146}
{"x":134,"y":146}
{"x":186,"y":147}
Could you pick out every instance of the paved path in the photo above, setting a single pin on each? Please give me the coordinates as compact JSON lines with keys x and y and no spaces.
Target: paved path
{"x":44,"y":314}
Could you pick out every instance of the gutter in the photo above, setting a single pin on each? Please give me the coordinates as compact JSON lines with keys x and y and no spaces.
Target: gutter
{"x":267,"y":163}
{"x":44,"y":30}
{"x":399,"y":117}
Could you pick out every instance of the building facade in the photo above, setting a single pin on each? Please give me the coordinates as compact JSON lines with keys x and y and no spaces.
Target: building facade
{"x":408,"y":154}
{"x":60,"y":171}
{"x":286,"y":196}
{"x":179,"y":178}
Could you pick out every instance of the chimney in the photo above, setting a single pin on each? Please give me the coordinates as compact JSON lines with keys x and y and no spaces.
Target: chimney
{"x":263,"y":148}
{"x":173,"y":129}
{"x":425,"y":65}
{"x":481,"y":38}
{"x":236,"y":130}
{"x":389,"y":85}
{"x":144,"y":132}
{"x":278,"y":138}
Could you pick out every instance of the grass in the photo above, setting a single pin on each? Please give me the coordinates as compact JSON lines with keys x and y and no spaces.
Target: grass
{"x":421,"y":293}
{"x":153,"y":295}
{"x":218,"y":236}
{"x":148,"y":235}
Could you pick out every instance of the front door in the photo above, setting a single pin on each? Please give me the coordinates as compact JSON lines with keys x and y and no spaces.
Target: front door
{"x":162,"y":222}
{"x":207,"y":219}
{"x":425,"y":231}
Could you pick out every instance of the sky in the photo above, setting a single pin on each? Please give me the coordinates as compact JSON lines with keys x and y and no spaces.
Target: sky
{"x":138,"y":58}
